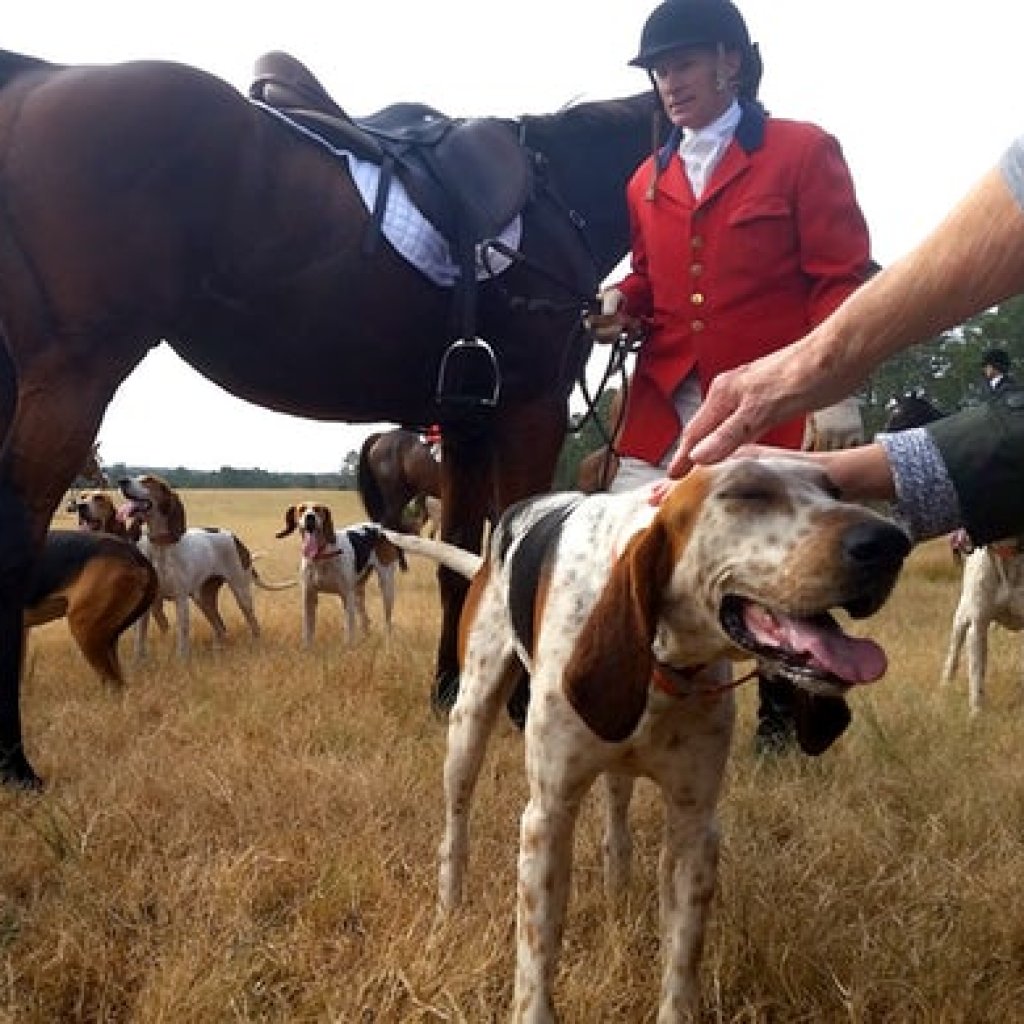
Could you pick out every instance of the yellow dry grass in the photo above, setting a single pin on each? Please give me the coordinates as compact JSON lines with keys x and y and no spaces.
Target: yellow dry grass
{"x":252,"y":837}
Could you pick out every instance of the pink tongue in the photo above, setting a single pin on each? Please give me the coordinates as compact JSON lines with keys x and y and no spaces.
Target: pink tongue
{"x":126,"y":511}
{"x":852,"y":659}
{"x":309,"y":548}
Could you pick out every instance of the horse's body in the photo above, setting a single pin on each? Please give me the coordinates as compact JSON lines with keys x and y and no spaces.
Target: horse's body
{"x":151,"y":201}
{"x":396,"y":467}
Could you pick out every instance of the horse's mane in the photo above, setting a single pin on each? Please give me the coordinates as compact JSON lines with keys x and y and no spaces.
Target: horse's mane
{"x":12,"y":64}
{"x":592,"y":149}
{"x":578,"y":121}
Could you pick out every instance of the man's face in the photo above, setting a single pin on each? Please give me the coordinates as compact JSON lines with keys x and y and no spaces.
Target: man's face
{"x":695,"y":85}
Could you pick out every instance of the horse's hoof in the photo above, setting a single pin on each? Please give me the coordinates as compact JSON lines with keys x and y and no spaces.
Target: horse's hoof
{"x":446,"y":689}
{"x":16,"y":772}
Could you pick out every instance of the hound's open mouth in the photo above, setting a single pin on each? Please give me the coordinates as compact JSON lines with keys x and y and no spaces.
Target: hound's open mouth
{"x":811,"y":649}
{"x":88,"y":522}
{"x":134,"y":508}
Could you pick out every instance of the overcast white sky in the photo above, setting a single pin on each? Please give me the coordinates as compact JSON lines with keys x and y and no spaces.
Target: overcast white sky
{"x":919,"y":92}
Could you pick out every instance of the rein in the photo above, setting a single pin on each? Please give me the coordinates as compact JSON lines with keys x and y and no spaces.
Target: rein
{"x":678,"y":682}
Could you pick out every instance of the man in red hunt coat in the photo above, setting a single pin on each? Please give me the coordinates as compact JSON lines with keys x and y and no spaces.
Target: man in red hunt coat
{"x":746,"y":232}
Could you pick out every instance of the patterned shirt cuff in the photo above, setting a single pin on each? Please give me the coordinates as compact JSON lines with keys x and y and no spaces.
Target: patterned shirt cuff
{"x":926,"y":500}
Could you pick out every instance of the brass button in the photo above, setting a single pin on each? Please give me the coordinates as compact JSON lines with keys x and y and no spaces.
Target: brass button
{"x":697,"y":298}
{"x":696,"y":269}
{"x":697,"y":325}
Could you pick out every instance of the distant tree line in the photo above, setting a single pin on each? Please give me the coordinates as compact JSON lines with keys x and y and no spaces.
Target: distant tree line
{"x":231,"y":478}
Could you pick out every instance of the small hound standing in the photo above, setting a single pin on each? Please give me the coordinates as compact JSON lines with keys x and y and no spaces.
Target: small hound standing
{"x":103,"y":584}
{"x":992,"y":592}
{"x":340,"y":563}
{"x":190,"y":563}
{"x":622,"y":614}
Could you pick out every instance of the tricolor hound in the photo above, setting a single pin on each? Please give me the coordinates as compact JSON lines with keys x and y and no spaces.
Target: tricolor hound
{"x":623,"y":613}
{"x":190,"y":563}
{"x":992,"y":592}
{"x":103,"y":584}
{"x":339,"y":563}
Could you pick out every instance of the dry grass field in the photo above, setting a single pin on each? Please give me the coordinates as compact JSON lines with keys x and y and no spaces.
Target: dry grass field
{"x":251,"y":836}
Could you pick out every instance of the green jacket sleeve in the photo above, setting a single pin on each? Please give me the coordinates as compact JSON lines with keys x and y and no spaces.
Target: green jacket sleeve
{"x":983,"y":449}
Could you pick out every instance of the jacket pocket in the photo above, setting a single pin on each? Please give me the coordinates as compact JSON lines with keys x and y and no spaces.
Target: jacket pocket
{"x":760,"y":241}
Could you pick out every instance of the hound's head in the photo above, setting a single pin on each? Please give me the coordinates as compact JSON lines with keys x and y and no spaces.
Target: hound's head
{"x":153,"y":502}
{"x":314,"y":523}
{"x":744,"y":559}
{"x":96,"y":512}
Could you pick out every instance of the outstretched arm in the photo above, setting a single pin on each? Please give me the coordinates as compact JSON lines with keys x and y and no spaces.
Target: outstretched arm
{"x":974,"y":259}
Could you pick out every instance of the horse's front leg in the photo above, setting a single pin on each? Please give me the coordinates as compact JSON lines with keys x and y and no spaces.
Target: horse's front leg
{"x":467,"y":499}
{"x":37,"y":464}
{"x":16,"y":555}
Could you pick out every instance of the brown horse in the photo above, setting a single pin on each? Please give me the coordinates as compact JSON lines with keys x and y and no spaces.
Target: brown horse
{"x":396,"y":467}
{"x":152,"y":201}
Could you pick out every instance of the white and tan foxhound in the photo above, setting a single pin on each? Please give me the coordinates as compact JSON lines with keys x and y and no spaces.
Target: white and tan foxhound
{"x":992,"y":591}
{"x":190,"y":563}
{"x":622,"y":614}
{"x":340,"y":562}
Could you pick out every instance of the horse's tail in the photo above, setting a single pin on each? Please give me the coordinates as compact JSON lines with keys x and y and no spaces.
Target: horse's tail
{"x":465,"y":563}
{"x":13,"y":64}
{"x":366,"y":482}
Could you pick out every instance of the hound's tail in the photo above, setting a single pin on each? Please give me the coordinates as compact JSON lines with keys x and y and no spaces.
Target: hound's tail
{"x":268,"y":584}
{"x":465,"y":563}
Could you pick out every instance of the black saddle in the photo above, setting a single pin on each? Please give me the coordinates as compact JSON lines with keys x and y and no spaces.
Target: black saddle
{"x":469,"y":177}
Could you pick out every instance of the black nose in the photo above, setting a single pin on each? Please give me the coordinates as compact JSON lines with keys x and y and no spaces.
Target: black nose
{"x":881,"y":546}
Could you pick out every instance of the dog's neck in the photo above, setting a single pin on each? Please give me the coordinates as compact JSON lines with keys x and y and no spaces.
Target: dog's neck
{"x":687,"y":681}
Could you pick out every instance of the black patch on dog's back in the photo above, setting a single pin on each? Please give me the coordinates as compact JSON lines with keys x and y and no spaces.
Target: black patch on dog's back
{"x":534,"y":549}
{"x":63,"y":555}
{"x":362,"y":538}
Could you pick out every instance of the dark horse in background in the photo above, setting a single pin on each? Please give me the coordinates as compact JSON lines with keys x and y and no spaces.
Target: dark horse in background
{"x":396,"y":467}
{"x":910,"y":410}
{"x":151,"y":201}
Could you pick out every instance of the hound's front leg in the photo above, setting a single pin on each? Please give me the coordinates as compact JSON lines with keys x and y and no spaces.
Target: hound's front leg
{"x":961,"y":623}
{"x":181,"y":610}
{"x":691,"y":781}
{"x":977,"y":663}
{"x":687,"y":873}
{"x":545,"y":865}
{"x":308,"y":616}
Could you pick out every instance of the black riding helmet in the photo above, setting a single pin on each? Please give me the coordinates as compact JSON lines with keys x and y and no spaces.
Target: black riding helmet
{"x":678,"y":23}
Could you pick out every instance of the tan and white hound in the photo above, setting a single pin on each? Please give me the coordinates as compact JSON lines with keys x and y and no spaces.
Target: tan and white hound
{"x":190,"y":563}
{"x":101,"y":583}
{"x":340,"y":562}
{"x":992,"y":591}
{"x":622,"y":614}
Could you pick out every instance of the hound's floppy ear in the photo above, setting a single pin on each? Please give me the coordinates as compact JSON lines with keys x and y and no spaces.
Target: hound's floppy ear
{"x":290,"y":522}
{"x":175,"y":512}
{"x":329,"y":535}
{"x":607,"y":677}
